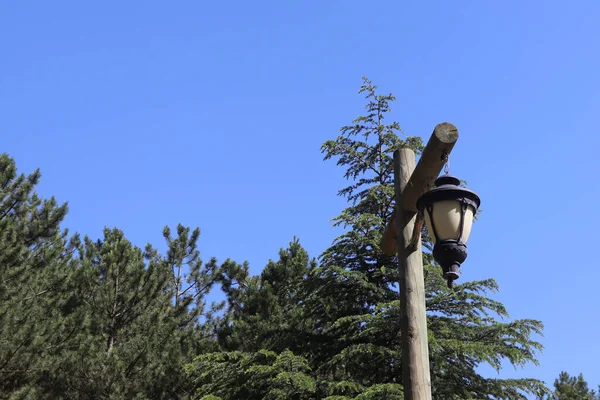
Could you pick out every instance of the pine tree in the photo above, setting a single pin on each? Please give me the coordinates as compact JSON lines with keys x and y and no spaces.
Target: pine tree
{"x":190,"y":282}
{"x":120,"y":298}
{"x":360,"y":307}
{"x":137,"y":319}
{"x":567,"y":387}
{"x":259,"y":333}
{"x":263,"y":310}
{"x":34,"y":256}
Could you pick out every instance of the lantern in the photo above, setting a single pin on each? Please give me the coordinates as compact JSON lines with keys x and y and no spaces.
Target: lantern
{"x":449,"y":211}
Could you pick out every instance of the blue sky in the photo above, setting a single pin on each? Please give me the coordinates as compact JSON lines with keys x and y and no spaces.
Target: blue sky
{"x":146,"y":114}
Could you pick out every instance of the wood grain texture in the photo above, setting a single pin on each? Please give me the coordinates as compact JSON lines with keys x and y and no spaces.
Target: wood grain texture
{"x":413,"y":320}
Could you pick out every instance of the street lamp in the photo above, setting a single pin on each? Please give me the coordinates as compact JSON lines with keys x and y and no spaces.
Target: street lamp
{"x":449,"y":211}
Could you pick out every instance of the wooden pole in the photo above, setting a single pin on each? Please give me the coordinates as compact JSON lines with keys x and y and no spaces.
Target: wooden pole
{"x":413,"y":324}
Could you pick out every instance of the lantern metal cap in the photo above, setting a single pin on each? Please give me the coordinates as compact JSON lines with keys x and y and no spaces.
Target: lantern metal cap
{"x":447,"y":188}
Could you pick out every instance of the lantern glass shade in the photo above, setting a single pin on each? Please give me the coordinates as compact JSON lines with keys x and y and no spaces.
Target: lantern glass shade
{"x":447,"y":216}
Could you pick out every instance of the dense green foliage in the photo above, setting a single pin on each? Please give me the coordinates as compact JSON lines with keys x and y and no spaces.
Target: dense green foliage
{"x":99,"y":319}
{"x":34,"y":271}
{"x":568,"y":387}
{"x":93,"y":319}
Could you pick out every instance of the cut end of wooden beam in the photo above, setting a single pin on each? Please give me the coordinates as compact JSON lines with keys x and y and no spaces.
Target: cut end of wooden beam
{"x":446,"y":132}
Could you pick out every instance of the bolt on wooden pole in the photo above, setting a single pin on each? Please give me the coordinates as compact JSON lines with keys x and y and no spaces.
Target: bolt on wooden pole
{"x":403,"y":237}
